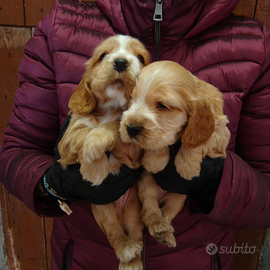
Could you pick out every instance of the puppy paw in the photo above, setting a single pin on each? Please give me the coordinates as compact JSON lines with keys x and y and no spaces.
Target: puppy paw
{"x":93,"y":150}
{"x":167,"y":238}
{"x":155,"y":161}
{"x":134,"y":264}
{"x":163,"y":232}
{"x":95,"y":172}
{"x":187,"y":169}
{"x":128,"y":250}
{"x":187,"y":172}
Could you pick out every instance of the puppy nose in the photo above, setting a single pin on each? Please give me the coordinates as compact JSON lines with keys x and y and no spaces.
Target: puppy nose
{"x":120,"y":64}
{"x":134,"y":131}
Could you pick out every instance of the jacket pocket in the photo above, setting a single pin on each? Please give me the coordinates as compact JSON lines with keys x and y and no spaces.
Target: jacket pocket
{"x":68,"y":256}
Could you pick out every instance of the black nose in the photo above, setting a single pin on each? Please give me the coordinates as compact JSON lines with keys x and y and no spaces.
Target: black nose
{"x":120,"y":64}
{"x":134,"y":131}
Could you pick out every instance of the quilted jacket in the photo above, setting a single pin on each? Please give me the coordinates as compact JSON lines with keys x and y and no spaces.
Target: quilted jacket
{"x":228,"y":51}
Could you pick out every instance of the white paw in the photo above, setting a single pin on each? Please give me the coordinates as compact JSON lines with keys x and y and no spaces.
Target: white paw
{"x":129,"y":250}
{"x":186,"y":171}
{"x":163,"y":232}
{"x":134,"y":264}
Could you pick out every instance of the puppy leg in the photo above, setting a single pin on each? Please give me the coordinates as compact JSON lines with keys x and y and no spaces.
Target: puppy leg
{"x":71,"y":143}
{"x":95,"y":172}
{"x":188,"y":162}
{"x":151,"y":213}
{"x":171,"y":204}
{"x":134,"y":228}
{"x":106,"y":217}
{"x":155,"y":161}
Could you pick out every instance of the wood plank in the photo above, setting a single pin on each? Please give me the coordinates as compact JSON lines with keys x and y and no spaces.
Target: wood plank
{"x":263,"y":11}
{"x":11,"y":12}
{"x":14,"y":37}
{"x":245,"y":8}
{"x":24,"y":235}
{"x":36,"y":10}
{"x":250,"y":241}
{"x":4,"y":213}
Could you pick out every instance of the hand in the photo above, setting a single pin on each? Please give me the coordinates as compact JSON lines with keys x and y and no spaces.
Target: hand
{"x":202,"y":188}
{"x":69,"y":184}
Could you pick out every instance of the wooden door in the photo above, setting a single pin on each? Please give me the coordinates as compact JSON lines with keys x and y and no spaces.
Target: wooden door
{"x":27,"y":237}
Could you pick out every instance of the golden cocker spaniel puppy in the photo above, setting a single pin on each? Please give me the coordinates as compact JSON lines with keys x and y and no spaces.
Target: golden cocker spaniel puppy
{"x":170,"y":104}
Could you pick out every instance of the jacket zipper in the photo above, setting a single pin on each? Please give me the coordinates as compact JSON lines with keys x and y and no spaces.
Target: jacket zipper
{"x":157,"y":19}
{"x":143,"y":250}
{"x":67,"y":256}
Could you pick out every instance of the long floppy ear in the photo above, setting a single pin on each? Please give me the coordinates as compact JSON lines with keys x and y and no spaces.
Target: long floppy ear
{"x":200,"y":125}
{"x":82,"y":101}
{"x":146,"y":57}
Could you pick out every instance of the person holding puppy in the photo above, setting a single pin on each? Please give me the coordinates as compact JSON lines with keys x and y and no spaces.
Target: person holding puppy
{"x":230,"y":52}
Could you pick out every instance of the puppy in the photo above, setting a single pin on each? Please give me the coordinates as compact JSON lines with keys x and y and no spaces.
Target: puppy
{"x":170,"y":104}
{"x":96,"y":106}
{"x":98,"y":101}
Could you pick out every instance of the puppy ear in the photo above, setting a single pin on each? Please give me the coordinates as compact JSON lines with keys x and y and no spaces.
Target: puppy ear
{"x":146,"y":57}
{"x":200,"y":125}
{"x":82,"y":101}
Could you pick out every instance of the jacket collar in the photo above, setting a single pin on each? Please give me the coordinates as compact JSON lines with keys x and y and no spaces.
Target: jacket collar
{"x":113,"y":10}
{"x":182,"y":19}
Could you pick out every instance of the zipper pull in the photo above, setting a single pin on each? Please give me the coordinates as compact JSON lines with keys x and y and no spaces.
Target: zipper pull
{"x":158,"y":11}
{"x":65,"y":207}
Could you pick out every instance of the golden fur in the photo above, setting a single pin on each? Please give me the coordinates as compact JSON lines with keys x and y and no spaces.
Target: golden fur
{"x":168,"y":104}
{"x":98,"y":101}
{"x":96,"y":106}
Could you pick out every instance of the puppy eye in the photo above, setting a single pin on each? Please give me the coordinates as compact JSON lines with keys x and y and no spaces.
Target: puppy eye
{"x":102,"y":56}
{"x":161,"y":106}
{"x":141,"y":59}
{"x":88,"y":85}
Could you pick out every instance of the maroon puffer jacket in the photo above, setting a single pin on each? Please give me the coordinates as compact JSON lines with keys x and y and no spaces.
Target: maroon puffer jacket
{"x":232,"y":53}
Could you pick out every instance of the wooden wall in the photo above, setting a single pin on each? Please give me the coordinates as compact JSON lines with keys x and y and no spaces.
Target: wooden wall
{"x":27,"y":236}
